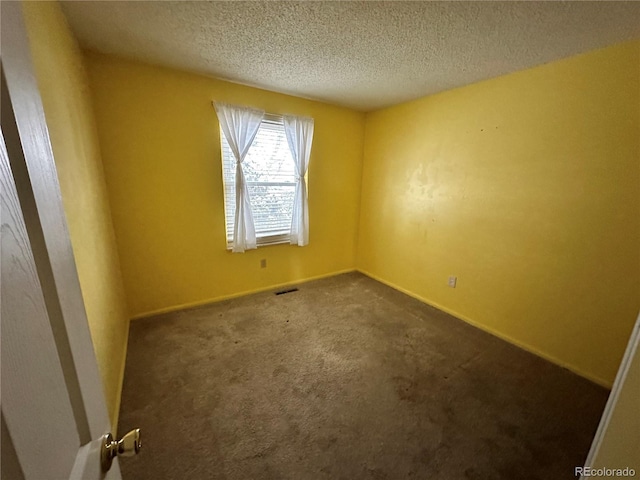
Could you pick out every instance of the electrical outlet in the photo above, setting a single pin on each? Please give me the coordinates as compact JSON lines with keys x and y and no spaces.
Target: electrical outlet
{"x":452,"y":281}
{"x":263,"y":263}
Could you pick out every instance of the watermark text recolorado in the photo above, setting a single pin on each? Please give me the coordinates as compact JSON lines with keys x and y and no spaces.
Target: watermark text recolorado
{"x":604,"y":472}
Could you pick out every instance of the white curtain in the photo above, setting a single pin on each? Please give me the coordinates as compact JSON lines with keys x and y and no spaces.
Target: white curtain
{"x":240,"y":126}
{"x":299,"y":132}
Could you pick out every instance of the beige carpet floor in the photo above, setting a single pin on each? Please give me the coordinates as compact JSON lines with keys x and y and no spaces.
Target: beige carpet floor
{"x":346,"y":379}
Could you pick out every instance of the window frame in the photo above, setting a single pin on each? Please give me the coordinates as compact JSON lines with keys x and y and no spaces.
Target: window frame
{"x":265,"y":240}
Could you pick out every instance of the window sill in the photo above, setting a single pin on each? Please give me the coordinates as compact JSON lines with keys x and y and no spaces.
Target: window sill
{"x":268,"y":241}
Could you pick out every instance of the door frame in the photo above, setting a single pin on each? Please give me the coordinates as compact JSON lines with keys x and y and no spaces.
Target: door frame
{"x":625,"y":365}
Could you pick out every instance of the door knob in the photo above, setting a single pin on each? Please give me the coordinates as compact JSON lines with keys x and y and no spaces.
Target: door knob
{"x":127,"y":446}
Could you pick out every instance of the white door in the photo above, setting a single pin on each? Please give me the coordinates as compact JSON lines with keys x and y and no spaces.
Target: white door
{"x":53,"y":409}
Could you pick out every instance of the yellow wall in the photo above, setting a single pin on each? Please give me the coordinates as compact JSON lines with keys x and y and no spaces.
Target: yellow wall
{"x":160,"y":143}
{"x":67,"y":104}
{"x":527,"y":188}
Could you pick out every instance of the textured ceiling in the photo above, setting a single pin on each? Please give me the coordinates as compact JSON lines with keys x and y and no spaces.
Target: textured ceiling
{"x":363,"y":55}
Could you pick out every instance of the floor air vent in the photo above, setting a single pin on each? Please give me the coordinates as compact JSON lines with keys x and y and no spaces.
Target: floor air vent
{"x":282,"y":292}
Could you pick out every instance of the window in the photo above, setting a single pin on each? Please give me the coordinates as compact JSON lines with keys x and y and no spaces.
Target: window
{"x":272,"y":188}
{"x":269,"y":171}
